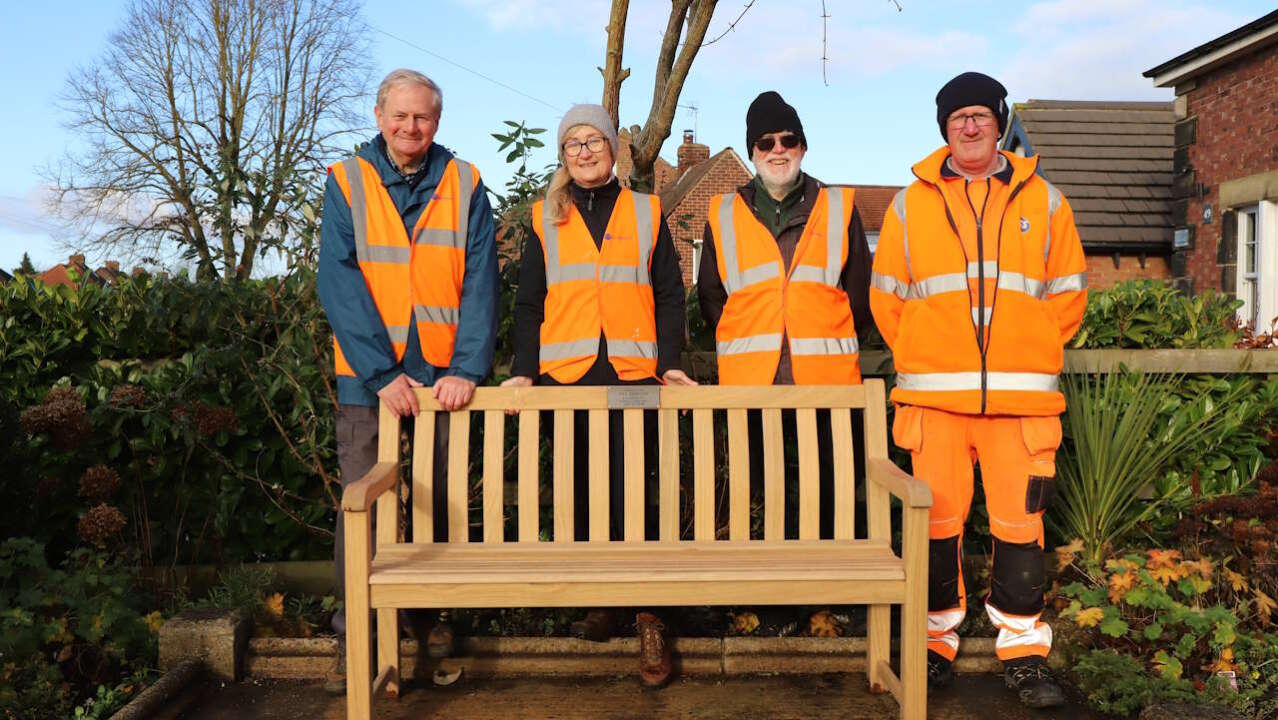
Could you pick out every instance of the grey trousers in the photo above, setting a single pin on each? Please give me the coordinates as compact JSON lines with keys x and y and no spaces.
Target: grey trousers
{"x":356,"y":455}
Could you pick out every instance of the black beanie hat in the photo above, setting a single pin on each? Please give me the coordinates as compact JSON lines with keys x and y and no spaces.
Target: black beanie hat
{"x":769,"y":113}
{"x":971,"y":88}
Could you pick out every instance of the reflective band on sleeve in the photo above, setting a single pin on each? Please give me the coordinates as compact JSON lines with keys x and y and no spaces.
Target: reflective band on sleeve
{"x":570,"y":349}
{"x":397,"y":333}
{"x":618,"y":274}
{"x":823,"y":346}
{"x":898,"y":205}
{"x":643,"y":228}
{"x":359,"y":207}
{"x":1017,"y":282}
{"x":732,"y":282}
{"x":950,"y":382}
{"x":1068,"y":283}
{"x":388,"y":254}
{"x":632,"y":348}
{"x":1053,"y":203}
{"x":753,"y":343}
{"x":434,"y":314}
{"x":937,"y":284}
{"x":835,"y":230}
{"x":465,"y":190}
{"x":889,"y":284}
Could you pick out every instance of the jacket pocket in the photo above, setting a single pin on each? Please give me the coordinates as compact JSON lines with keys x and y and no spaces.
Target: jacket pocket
{"x":1042,"y":437}
{"x":907,"y":428}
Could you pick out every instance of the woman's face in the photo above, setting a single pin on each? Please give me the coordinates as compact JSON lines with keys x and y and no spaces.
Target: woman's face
{"x":588,"y":156}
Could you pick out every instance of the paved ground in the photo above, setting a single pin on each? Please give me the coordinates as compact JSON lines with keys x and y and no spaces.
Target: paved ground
{"x":832,"y":697}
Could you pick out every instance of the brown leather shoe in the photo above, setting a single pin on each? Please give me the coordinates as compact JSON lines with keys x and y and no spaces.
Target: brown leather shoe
{"x":597,"y":626}
{"x":654,"y":651}
{"x":439,"y":643}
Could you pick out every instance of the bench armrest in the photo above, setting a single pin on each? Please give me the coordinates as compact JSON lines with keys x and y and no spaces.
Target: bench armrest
{"x":910,"y":490}
{"x":359,"y":495}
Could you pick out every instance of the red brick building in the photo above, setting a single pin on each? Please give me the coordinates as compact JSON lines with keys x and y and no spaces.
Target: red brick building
{"x":75,"y":268}
{"x":1226,"y":165}
{"x":1113,"y":162}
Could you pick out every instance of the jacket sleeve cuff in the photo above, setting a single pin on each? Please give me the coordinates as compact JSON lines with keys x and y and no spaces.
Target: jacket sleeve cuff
{"x":458,"y":372}
{"x":382,"y":379}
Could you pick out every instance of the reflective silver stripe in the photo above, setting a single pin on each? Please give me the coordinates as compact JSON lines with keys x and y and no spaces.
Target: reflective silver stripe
{"x":823,"y":346}
{"x":398,"y":333}
{"x":758,"y":274}
{"x":465,"y":190}
{"x":556,"y":273}
{"x":835,"y":230}
{"x":728,"y":241}
{"x":1067,"y":283}
{"x":359,"y":207}
{"x":976,"y":315}
{"x":937,"y":284}
{"x":618,"y":274}
{"x":643,"y":228}
{"x":1033,"y":382}
{"x":435,"y":314}
{"x":889,"y":284}
{"x":898,"y":206}
{"x":435,"y":236}
{"x":570,"y":349}
{"x":753,"y":343}
{"x":1017,"y":282}
{"x":388,"y":254}
{"x":990,"y":267}
{"x":632,"y":348}
{"x":1053,"y":203}
{"x":808,"y":273}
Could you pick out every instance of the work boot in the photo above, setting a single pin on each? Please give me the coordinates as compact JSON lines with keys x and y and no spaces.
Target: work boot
{"x":654,"y":651}
{"x":597,"y":626}
{"x":335,"y":677}
{"x":1033,"y":682}
{"x":439,"y":643}
{"x":940,"y":670}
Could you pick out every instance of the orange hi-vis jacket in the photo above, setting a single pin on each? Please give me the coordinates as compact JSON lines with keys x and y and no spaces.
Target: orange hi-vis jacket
{"x":592,"y":290}
{"x":977,"y":314}
{"x":767,"y":302}
{"x":417,"y":280}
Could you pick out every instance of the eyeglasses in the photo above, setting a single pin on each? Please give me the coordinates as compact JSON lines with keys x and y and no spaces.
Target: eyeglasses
{"x":594,"y":144}
{"x":982,"y":120}
{"x":789,"y":141}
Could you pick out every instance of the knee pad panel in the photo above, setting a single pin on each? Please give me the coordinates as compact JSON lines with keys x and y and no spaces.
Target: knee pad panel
{"x":943,"y":574}
{"x":1018,"y":578}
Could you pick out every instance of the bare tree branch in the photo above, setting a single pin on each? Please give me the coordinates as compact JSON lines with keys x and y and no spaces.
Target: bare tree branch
{"x":733,"y":25}
{"x":613,"y":73}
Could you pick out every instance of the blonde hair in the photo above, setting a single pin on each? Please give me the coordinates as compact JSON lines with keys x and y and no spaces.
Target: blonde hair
{"x":558,"y":196}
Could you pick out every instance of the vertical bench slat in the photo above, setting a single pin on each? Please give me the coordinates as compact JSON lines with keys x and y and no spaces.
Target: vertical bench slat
{"x":668,"y":502}
{"x":562,"y":490}
{"x":634,"y":500}
{"x":599,"y":472}
{"x":703,"y":467}
{"x":459,"y":476}
{"x":423,"y":477}
{"x":879,"y":527}
{"x":387,"y":508}
{"x":844,"y":478}
{"x":773,"y":476}
{"x":494,"y":475}
{"x":809,"y":474}
{"x":529,"y":471}
{"x":738,"y":476}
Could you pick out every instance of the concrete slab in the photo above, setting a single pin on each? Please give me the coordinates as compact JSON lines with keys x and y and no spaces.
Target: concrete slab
{"x":216,"y":638}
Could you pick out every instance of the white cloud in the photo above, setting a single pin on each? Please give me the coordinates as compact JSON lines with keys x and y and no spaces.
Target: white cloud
{"x":526,"y":15}
{"x":28,"y":213}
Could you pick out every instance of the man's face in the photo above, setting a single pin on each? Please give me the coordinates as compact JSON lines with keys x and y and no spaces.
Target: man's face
{"x":408,"y":121}
{"x":973,"y":135}
{"x":779,"y":165}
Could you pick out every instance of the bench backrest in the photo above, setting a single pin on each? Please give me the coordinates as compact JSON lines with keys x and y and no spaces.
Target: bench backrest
{"x":668,"y":403}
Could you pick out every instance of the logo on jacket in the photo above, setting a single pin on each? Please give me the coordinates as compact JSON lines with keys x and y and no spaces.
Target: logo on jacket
{"x":1024,"y":225}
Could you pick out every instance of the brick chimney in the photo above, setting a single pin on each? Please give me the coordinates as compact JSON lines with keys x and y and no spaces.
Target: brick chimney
{"x":690,"y":153}
{"x":113,"y":265}
{"x":76,"y":260}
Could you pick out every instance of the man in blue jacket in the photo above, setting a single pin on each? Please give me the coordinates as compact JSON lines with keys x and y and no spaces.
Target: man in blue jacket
{"x":374,"y":280}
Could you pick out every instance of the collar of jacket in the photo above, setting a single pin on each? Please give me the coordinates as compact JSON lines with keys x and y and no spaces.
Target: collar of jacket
{"x":801,"y":210}
{"x":437,"y":157}
{"x":587,"y":198}
{"x":1003,"y":175}
{"x":929,"y":169}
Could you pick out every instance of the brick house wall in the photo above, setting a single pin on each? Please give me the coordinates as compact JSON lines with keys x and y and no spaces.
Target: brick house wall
{"x":687,"y":219}
{"x":1102,"y":274}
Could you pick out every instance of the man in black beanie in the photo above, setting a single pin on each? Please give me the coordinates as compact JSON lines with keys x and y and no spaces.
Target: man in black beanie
{"x":976,"y":382}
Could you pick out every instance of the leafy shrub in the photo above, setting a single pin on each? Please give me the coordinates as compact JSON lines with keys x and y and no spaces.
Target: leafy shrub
{"x":1152,"y":314}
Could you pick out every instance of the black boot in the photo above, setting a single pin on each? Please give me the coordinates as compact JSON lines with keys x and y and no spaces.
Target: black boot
{"x":940,"y":671}
{"x":1033,"y":682}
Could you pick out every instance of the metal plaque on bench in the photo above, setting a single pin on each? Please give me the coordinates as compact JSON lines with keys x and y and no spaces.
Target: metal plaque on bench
{"x":647,"y":397}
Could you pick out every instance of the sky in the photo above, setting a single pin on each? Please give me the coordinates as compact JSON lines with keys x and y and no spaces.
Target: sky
{"x":868,"y":112}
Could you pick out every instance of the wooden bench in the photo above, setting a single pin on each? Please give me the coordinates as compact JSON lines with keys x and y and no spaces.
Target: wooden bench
{"x":701,"y":570}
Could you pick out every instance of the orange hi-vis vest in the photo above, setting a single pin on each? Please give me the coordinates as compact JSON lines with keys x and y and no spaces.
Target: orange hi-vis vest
{"x":417,"y":280}
{"x":766,"y":303}
{"x":592,"y":290}
{"x":977,"y":314}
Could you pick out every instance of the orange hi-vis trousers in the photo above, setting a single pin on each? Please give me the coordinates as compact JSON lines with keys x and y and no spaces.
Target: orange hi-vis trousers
{"x":1017,"y":456}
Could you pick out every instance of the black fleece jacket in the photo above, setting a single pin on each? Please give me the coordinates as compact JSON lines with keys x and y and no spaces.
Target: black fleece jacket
{"x":595,"y":206}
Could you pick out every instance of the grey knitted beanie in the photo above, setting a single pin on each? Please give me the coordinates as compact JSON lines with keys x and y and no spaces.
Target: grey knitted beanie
{"x":593,"y":115}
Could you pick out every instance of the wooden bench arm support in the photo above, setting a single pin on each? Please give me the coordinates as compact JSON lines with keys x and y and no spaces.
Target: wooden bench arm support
{"x":911,"y":491}
{"x":360,"y":495}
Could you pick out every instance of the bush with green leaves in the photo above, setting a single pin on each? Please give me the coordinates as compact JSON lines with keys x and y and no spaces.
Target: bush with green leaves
{"x":1154,"y":314}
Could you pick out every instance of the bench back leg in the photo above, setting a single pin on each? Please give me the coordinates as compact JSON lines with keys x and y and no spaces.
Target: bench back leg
{"x":914,"y":548}
{"x":359,"y":701}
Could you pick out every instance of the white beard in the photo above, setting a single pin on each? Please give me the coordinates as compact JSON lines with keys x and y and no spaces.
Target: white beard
{"x":778,"y":181}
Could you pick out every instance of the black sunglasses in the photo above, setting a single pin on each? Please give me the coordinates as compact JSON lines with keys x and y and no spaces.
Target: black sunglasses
{"x":789,"y":141}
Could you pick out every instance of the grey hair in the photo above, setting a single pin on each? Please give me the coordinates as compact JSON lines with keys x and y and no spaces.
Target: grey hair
{"x":404,"y":76}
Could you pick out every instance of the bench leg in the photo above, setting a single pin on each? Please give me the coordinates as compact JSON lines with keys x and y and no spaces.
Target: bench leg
{"x":914,"y":551}
{"x":878,"y":645}
{"x":388,"y":648}
{"x":359,"y":688}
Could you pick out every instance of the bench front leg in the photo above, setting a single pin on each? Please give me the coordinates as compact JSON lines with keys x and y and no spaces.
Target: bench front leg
{"x":914,"y":551}
{"x":359,"y":553}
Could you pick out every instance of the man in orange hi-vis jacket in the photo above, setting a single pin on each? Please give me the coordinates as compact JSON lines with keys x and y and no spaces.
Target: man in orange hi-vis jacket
{"x":978,"y":283}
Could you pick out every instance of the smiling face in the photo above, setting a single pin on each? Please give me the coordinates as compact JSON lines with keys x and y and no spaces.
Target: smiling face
{"x":972,"y":132}
{"x":589,"y":167}
{"x":779,"y":167}
{"x":408,"y":119}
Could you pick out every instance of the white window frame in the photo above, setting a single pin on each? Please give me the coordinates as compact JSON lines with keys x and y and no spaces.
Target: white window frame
{"x":1257,"y":286}
{"x":696,"y":259}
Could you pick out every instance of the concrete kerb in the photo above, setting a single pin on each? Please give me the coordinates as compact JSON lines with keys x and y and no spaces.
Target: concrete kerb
{"x":217,"y":639}
{"x":298,"y":659}
{"x":155,"y":698}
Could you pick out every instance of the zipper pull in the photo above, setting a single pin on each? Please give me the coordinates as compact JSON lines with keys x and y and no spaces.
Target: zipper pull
{"x":590,"y":202}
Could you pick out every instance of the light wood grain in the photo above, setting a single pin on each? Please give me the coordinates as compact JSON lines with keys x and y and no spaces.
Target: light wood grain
{"x":773,"y":477}
{"x":844,"y":474}
{"x":359,"y":696}
{"x":599,"y":480}
{"x":563,"y":469}
{"x":914,"y":549}
{"x":634,"y":476}
{"x":494,"y":476}
{"x":703,"y":474}
{"x":423,"y":477}
{"x":767,"y":396}
{"x":387,"y":527}
{"x":668,"y":500}
{"x":459,"y":477}
{"x":360,"y":495}
{"x":809,"y":475}
{"x":529,"y":476}
{"x":738,"y":476}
